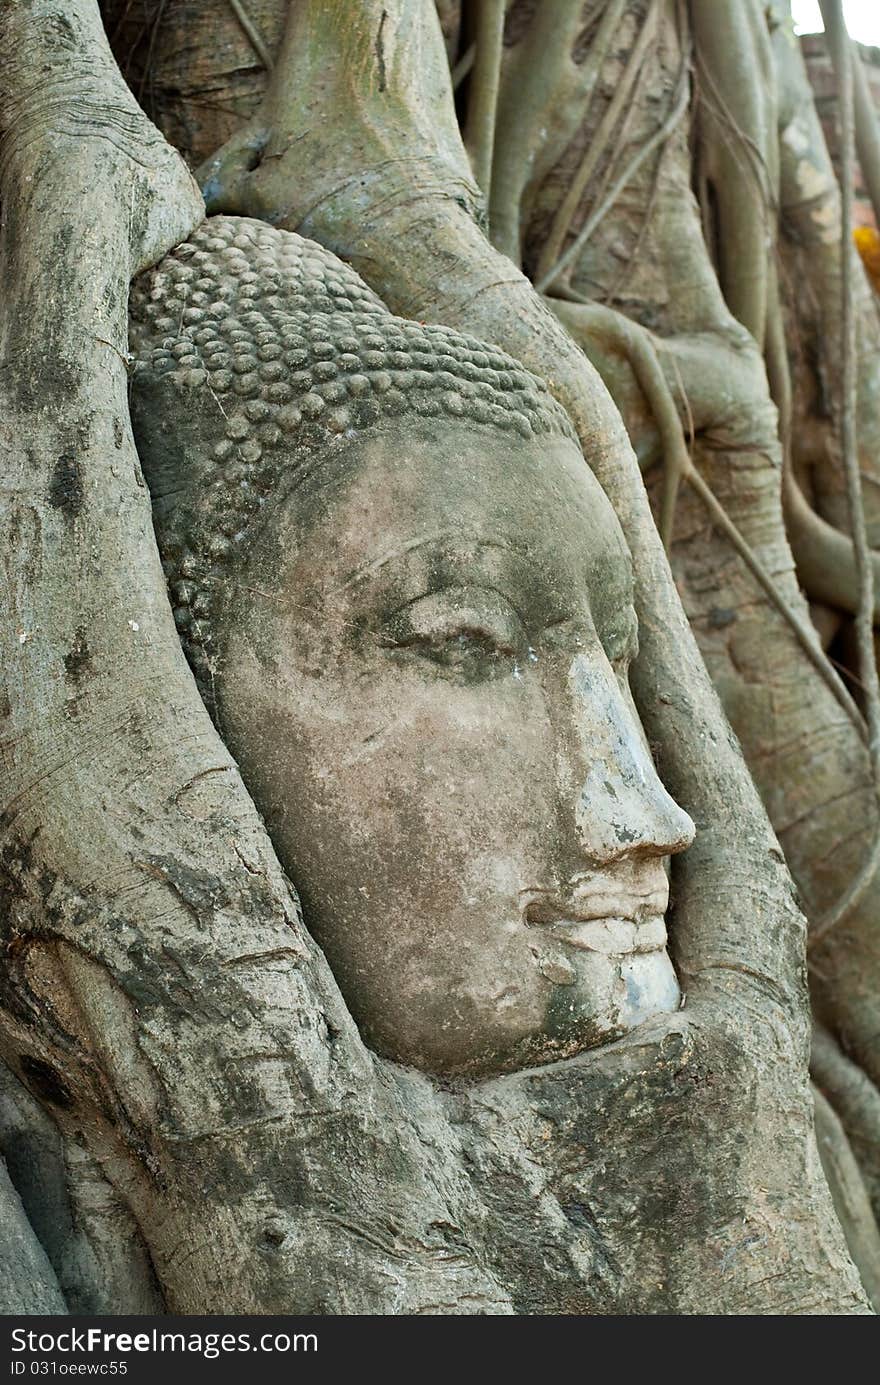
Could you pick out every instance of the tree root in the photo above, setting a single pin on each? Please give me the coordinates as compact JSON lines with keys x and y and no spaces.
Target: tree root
{"x":657,"y":140}
{"x":479,"y":131}
{"x":737,"y":151}
{"x":813,"y":230}
{"x":549,"y":266}
{"x":99,"y":1259}
{"x":27,"y":1280}
{"x":866,"y":124}
{"x":589,"y":322}
{"x":824,"y":556}
{"x":856,"y":1100}
{"x":849,"y":1195}
{"x":843,"y":68}
{"x":257,"y":41}
{"x":849,"y":900}
{"x":542,"y":100}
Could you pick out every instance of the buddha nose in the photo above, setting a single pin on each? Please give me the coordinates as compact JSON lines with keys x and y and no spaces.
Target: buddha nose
{"x":622,"y":809}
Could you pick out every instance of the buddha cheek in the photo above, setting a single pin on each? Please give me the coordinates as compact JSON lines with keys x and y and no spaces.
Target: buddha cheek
{"x":435,"y":804}
{"x":455,"y":775}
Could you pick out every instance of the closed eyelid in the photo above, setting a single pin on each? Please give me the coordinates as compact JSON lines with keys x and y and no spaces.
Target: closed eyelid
{"x":480,"y":609}
{"x":534,"y":586}
{"x":467,"y":633}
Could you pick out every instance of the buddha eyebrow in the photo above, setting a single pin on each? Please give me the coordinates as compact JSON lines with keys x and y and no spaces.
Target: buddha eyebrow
{"x":375,"y":565}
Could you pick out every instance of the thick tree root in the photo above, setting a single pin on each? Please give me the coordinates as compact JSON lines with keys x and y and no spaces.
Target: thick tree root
{"x":589,"y":323}
{"x":856,"y":1099}
{"x":27,"y":1280}
{"x":850,"y":1196}
{"x":479,"y":131}
{"x":824,"y":557}
{"x":93,"y":1245}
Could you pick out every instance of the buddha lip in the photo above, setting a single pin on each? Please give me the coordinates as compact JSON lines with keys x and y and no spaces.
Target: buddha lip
{"x":613,"y":922}
{"x":613,"y":936}
{"x":547,"y":911}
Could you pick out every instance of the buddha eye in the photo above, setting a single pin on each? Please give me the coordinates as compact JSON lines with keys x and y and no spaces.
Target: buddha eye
{"x":472,"y":632}
{"x":462,"y":648}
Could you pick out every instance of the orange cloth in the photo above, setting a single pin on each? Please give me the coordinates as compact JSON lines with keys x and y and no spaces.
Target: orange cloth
{"x":867,"y":242}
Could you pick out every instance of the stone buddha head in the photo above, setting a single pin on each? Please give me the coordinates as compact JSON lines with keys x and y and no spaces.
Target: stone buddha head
{"x":409,"y":607}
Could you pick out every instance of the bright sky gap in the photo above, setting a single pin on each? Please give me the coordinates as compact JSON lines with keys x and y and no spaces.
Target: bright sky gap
{"x":862,"y":19}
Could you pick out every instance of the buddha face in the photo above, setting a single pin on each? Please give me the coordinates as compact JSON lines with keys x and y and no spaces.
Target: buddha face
{"x":424,"y":679}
